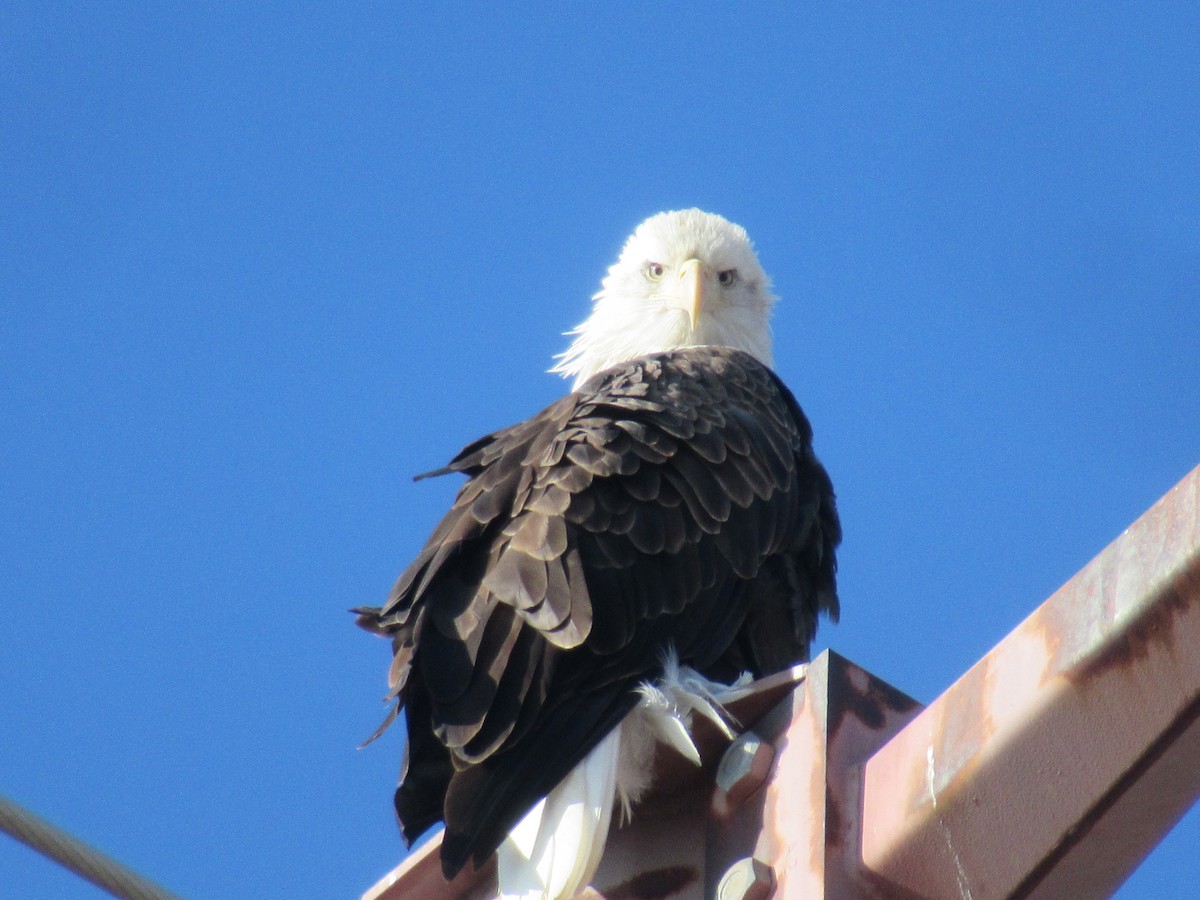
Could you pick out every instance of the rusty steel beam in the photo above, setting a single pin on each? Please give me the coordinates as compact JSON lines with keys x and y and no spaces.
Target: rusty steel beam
{"x":798,"y":837}
{"x":1058,"y":761}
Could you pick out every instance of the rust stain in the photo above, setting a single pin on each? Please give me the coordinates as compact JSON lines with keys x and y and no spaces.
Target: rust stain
{"x":1154,"y":627}
{"x":870,"y":705}
{"x":833,"y":820}
{"x":658,"y":884}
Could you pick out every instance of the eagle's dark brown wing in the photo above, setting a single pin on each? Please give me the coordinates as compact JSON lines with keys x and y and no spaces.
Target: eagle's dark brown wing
{"x":672,"y":501}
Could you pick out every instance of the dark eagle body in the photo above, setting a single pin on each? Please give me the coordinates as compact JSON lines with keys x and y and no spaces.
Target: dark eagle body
{"x":672,"y":501}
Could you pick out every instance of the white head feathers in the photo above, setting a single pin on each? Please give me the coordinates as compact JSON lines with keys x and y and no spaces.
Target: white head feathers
{"x":684,"y":279}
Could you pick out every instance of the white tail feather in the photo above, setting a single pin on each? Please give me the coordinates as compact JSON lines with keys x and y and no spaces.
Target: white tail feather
{"x":554,"y":851}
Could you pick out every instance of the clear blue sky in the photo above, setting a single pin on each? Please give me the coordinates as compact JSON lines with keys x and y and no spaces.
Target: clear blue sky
{"x":258,"y":267}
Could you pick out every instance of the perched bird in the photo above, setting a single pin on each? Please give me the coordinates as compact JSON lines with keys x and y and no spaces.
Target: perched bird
{"x":611,"y":566}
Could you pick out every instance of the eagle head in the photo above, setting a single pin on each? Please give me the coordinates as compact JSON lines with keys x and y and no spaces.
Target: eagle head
{"x":684,"y":279}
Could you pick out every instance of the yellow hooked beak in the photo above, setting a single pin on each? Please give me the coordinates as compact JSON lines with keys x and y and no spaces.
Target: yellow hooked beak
{"x":691,"y":289}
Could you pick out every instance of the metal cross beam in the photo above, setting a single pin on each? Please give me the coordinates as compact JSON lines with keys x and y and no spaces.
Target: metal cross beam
{"x":1058,"y":761}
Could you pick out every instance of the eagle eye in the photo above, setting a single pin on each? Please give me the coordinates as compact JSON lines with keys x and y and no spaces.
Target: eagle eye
{"x":726,"y":278}
{"x":655,"y":271}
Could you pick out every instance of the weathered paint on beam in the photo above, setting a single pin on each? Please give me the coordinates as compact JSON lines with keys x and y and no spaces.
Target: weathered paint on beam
{"x":1058,"y":761}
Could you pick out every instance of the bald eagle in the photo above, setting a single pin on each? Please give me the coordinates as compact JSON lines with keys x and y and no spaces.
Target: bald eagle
{"x":621,"y":561}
